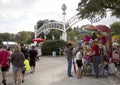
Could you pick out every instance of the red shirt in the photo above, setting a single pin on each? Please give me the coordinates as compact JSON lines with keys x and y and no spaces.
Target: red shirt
{"x":4,"y":58}
{"x":96,"y":49}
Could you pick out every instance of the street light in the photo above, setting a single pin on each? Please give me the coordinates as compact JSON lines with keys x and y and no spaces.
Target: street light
{"x":64,"y":34}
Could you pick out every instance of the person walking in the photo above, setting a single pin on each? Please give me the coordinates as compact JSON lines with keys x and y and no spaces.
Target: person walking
{"x":79,"y":63}
{"x":33,"y":53}
{"x":4,"y":62}
{"x":38,"y":49}
{"x":26,"y":54}
{"x":68,"y":52}
{"x":95,"y":54}
{"x":17,"y":59}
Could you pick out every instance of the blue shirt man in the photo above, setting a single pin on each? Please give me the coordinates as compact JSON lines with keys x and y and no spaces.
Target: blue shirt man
{"x":69,"y":59}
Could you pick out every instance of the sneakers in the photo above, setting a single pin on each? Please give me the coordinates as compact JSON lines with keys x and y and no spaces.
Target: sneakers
{"x":4,"y":81}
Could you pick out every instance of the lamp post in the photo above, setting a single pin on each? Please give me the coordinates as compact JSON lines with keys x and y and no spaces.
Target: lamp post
{"x":64,"y":34}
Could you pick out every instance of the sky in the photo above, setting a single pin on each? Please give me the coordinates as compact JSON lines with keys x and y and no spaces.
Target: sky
{"x":22,"y":15}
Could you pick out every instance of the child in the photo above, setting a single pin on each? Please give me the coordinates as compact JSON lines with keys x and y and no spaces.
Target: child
{"x":79,"y":63}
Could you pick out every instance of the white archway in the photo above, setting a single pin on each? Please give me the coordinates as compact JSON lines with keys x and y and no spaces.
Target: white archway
{"x":57,"y":25}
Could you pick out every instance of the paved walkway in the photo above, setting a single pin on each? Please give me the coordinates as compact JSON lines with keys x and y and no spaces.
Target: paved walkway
{"x":52,"y":71}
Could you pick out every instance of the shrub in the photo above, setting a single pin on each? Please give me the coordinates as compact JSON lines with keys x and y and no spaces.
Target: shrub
{"x":52,"y":45}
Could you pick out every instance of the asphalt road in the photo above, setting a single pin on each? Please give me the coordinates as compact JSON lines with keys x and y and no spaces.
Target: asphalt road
{"x":52,"y":71}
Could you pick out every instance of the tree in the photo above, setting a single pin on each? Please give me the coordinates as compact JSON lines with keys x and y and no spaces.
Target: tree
{"x":22,"y":37}
{"x":30,"y":38}
{"x":7,"y":36}
{"x":1,"y":42}
{"x":73,"y":33}
{"x":40,"y":23}
{"x":115,"y":28}
{"x":55,"y":33}
{"x":91,"y":8}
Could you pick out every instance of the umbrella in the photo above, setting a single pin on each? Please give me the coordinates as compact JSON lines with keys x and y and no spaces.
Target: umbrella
{"x":38,"y":40}
{"x":90,"y":28}
{"x":103,"y":28}
{"x":74,"y":66}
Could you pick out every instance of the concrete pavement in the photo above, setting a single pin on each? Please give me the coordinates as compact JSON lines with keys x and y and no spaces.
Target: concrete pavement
{"x":52,"y":71}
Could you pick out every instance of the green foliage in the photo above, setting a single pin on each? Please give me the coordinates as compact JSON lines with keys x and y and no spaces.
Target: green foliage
{"x":23,"y":37}
{"x":72,"y":33}
{"x":55,"y":33}
{"x":1,"y":42}
{"x":7,"y":36}
{"x":115,"y":28}
{"x":31,"y":34}
{"x":52,"y":45}
{"x":40,"y":23}
{"x":91,"y":8}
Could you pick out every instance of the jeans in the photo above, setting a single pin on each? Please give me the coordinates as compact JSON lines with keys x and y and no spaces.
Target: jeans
{"x":96,"y":61}
{"x":69,"y":66}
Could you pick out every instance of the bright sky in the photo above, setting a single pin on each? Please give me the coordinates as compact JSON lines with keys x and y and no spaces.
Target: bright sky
{"x":22,"y":15}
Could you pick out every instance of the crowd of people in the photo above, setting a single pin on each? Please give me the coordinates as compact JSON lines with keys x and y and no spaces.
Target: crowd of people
{"x":91,"y":59}
{"x":22,"y":60}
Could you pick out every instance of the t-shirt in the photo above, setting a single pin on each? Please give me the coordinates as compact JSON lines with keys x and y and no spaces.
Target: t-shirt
{"x":78,"y":55}
{"x":4,"y":58}
{"x":33,"y":53}
{"x":96,"y":49}
{"x":17,"y":59}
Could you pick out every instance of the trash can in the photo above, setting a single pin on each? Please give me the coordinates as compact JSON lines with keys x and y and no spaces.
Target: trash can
{"x":54,"y":53}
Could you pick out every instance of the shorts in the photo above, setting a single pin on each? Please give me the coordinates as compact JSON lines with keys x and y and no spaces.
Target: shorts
{"x":5,"y":69}
{"x":16,"y":69}
{"x":32,"y":63}
{"x":79,"y":63}
{"x":23,"y":72}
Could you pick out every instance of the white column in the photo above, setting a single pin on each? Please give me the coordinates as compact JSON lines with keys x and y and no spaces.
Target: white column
{"x":64,"y":34}
{"x":35,"y":31}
